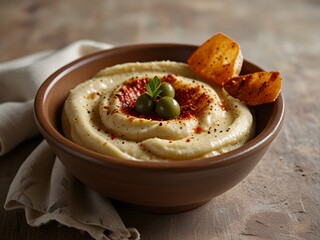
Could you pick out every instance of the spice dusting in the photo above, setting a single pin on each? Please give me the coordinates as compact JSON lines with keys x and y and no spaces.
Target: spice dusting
{"x":193,"y":100}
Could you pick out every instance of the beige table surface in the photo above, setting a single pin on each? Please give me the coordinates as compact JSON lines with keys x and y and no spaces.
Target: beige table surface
{"x":280,"y":199}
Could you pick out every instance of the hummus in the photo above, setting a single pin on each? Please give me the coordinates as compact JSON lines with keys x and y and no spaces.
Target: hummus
{"x":99,"y":115}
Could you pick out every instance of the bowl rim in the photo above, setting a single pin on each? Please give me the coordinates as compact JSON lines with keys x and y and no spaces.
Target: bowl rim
{"x":56,"y":138}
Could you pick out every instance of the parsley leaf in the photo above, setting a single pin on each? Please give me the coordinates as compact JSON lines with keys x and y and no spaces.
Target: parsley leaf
{"x":153,"y":88}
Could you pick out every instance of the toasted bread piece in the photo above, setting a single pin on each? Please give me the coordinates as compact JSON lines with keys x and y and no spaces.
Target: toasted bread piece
{"x":255,"y":88}
{"x":217,"y":60}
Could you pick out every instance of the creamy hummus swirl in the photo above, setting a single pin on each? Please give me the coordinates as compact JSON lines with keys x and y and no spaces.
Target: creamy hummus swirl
{"x":99,"y":115}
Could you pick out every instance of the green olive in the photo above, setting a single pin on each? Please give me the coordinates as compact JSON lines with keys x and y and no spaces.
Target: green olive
{"x":166,"y":90}
{"x":167,"y":107}
{"x":144,"y":104}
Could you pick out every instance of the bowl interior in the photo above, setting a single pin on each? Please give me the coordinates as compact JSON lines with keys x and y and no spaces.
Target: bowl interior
{"x":54,"y":91}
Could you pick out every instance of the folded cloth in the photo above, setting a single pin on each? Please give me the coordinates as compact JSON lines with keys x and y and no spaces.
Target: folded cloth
{"x":43,"y":187}
{"x":19,"y":82}
{"x":47,"y":191}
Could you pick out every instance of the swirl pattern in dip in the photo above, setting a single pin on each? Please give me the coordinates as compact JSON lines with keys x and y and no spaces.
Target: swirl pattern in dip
{"x":99,"y":114}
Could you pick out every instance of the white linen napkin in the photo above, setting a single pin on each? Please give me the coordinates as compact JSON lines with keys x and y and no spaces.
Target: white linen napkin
{"x":43,"y":187}
{"x":19,"y":82}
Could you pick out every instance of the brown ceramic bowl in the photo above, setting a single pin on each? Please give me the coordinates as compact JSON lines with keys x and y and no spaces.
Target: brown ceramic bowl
{"x":162,"y":187}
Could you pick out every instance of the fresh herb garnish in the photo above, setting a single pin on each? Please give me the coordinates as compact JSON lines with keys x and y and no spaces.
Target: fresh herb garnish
{"x":165,"y":106}
{"x":153,"y":88}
